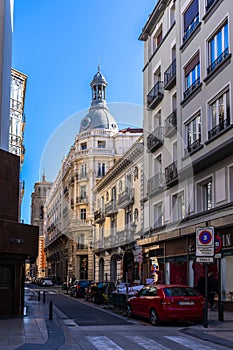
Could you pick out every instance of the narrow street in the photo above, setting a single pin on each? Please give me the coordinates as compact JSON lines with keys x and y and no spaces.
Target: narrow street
{"x":94,"y":327}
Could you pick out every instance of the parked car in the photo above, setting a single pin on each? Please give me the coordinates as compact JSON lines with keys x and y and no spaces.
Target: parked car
{"x":46,"y":282}
{"x":78,"y":288}
{"x":98,"y":292}
{"x":167,"y":303}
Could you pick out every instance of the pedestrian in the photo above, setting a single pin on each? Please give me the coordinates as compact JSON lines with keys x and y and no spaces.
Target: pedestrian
{"x":212,"y":289}
{"x":201,"y":286}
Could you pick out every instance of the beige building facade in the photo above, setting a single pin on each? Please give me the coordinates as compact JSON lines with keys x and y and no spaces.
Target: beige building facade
{"x":118,"y":219}
{"x":188,"y":161}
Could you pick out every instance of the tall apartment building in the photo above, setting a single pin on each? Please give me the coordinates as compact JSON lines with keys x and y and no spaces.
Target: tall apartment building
{"x":188,"y":162}
{"x":70,"y":203}
{"x":118,"y":219}
{"x":17,"y":117}
{"x":38,"y":199}
{"x":17,"y":121}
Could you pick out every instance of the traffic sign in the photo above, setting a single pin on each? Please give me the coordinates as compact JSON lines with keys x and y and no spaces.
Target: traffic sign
{"x":217,"y":244}
{"x":205,"y":241}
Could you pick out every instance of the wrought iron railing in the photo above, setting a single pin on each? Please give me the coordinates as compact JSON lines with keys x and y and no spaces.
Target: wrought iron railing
{"x":192,"y":87}
{"x":171,"y":172}
{"x":170,"y":73}
{"x":192,"y":26}
{"x":218,"y":128}
{"x":218,"y":60}
{"x":155,"y":92}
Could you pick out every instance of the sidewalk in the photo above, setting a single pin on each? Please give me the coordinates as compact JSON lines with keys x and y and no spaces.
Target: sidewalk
{"x":218,"y":332}
{"x":35,"y":331}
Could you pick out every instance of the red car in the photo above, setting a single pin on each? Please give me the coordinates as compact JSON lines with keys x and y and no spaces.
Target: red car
{"x":167,"y":303}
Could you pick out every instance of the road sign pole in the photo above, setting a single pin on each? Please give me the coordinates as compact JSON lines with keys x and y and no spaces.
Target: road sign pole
{"x":205,"y":318}
{"x":220,"y":304}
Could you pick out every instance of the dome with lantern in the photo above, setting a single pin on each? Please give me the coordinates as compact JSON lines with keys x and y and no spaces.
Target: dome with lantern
{"x":99,"y":116}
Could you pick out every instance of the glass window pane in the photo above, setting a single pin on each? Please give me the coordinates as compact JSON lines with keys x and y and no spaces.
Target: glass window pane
{"x":212,"y":51}
{"x":190,"y":14}
{"x":226,"y":36}
{"x":221,"y":109}
{"x":219,"y":43}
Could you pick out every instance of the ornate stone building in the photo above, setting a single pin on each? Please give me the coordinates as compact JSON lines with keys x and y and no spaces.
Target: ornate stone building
{"x":70,"y":204}
{"x":118,"y":219}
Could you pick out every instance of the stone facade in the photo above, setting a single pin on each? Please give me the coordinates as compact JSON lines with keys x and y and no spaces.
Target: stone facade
{"x":118,"y":219}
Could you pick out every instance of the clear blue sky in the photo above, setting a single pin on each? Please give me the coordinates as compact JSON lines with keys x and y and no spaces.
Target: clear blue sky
{"x":58,"y":44}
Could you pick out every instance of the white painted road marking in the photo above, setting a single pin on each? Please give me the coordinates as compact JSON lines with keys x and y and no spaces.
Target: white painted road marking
{"x":188,"y":343}
{"x":103,"y":343}
{"x":147,"y":343}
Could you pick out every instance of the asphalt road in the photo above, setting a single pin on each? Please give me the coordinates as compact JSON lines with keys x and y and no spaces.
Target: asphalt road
{"x":84,"y":313}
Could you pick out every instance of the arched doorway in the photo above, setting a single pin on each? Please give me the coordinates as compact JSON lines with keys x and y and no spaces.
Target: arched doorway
{"x":113,"y":269}
{"x":128,"y":266}
{"x":101,"y":269}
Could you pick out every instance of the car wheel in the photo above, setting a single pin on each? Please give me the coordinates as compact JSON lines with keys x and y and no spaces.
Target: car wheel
{"x":129,"y":311}
{"x":154,"y":318}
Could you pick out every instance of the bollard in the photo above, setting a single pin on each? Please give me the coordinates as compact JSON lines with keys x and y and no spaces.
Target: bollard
{"x":43,"y":296}
{"x":50,"y":310}
{"x":38,"y":295}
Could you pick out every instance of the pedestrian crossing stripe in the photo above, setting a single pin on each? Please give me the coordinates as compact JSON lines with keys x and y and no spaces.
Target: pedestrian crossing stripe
{"x":105,"y":343}
{"x":188,"y":343}
{"x":147,"y":343}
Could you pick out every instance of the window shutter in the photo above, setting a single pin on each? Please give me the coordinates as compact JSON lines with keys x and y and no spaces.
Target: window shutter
{"x":190,"y":66}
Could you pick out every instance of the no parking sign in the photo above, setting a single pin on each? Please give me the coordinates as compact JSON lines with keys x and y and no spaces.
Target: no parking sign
{"x":205,"y":241}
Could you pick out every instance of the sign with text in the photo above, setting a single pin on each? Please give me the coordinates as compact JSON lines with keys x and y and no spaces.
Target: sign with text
{"x":207,"y":259}
{"x":205,"y":241}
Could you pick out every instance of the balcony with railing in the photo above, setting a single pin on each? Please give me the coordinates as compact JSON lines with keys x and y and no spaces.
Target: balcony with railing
{"x":218,"y":61}
{"x":171,"y":174}
{"x":170,"y":125}
{"x":193,"y":147}
{"x":99,"y":216}
{"x":156,"y":183}
{"x":192,"y":88}
{"x":155,"y":139}
{"x":170,"y":76}
{"x":111,"y":208}
{"x":126,"y":198}
{"x":218,"y":129}
{"x":191,"y":28}
{"x":81,"y":200}
{"x":155,"y":95}
{"x":126,"y":236}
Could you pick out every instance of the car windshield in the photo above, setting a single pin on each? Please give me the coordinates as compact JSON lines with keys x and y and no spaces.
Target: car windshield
{"x":180,"y":292}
